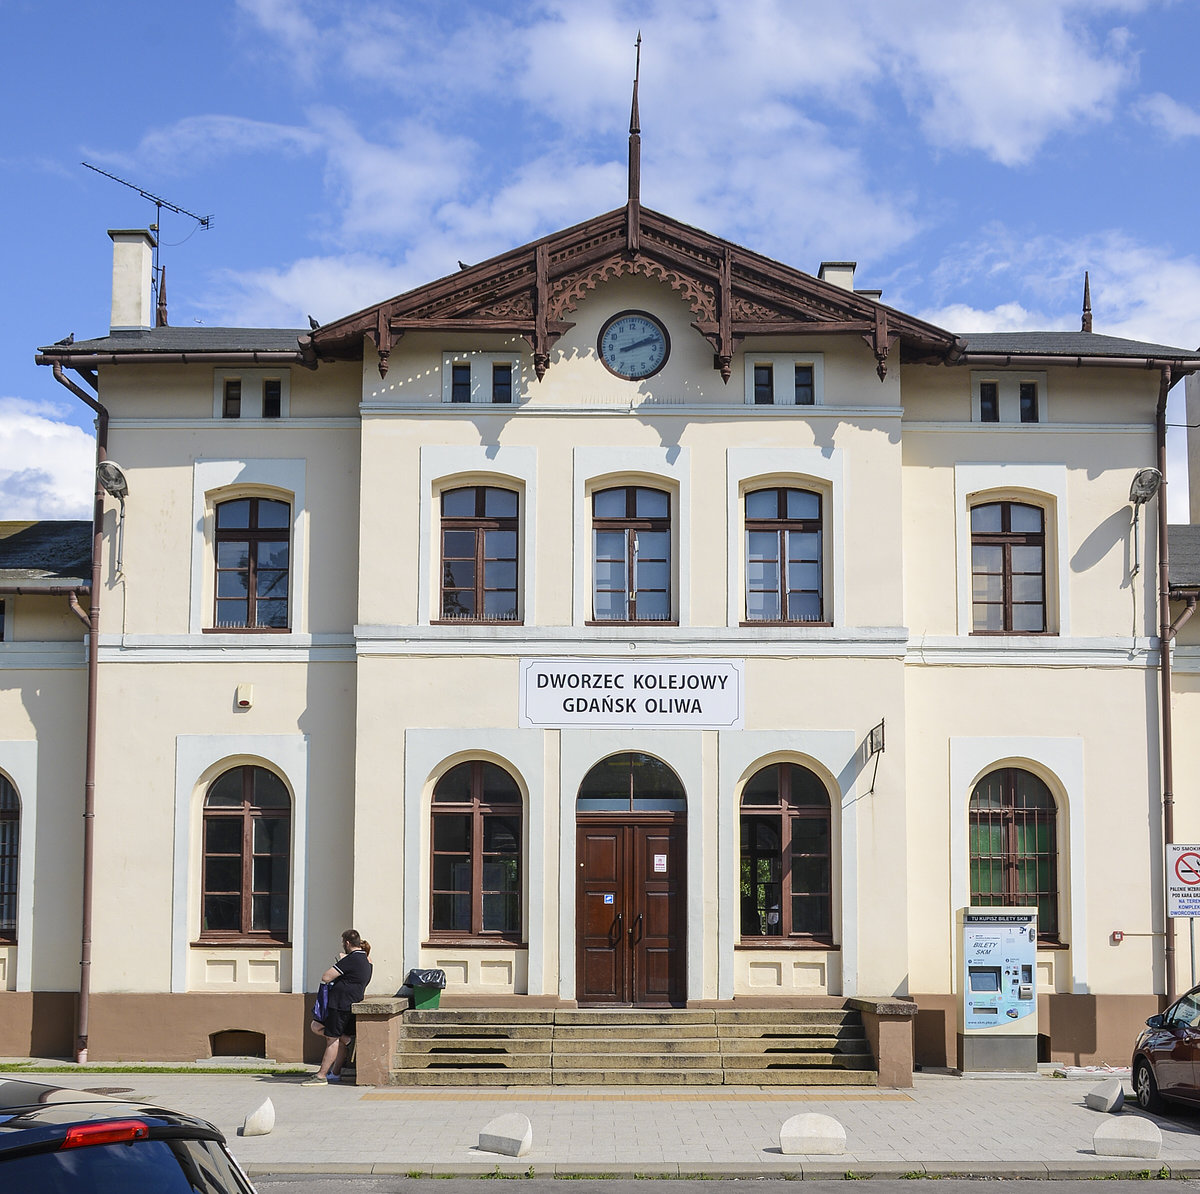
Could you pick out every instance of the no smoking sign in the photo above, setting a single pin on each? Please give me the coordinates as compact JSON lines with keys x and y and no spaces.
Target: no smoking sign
{"x":1183,"y":880}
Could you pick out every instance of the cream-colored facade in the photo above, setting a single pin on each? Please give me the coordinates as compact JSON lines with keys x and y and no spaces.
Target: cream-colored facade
{"x":367,"y":697}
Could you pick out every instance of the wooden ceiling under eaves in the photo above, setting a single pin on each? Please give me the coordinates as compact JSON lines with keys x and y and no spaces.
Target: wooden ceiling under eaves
{"x":733,"y":294}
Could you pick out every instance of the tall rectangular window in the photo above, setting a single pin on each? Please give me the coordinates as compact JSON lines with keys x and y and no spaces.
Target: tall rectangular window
{"x":783,"y":556}
{"x":764,"y":385}
{"x":1008,"y":569}
{"x":631,"y":563}
{"x":1029,"y":402}
{"x":805,"y":392}
{"x":502,"y":382}
{"x":232,"y":408}
{"x":10,"y":841}
{"x":989,"y":402}
{"x":252,"y":549}
{"x":479,"y":554}
{"x":272,"y":402}
{"x":460,"y":384}
{"x":3,"y":628}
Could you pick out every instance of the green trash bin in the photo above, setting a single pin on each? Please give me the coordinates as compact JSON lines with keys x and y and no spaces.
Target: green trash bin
{"x":426,"y":988}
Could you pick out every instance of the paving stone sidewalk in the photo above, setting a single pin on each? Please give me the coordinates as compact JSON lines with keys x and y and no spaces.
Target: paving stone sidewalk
{"x":1032,"y":1127}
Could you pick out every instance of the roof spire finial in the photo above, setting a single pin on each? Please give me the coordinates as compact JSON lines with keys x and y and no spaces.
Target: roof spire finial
{"x":1086,"y":325}
{"x":633,"y":208}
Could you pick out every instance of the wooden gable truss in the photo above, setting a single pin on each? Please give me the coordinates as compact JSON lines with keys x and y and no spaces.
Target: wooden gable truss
{"x":733,"y":294}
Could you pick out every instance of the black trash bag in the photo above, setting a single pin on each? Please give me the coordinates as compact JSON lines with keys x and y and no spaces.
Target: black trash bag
{"x":426,"y":978}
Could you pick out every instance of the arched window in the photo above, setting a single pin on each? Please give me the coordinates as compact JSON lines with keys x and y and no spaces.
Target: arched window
{"x":1008,"y":569}
{"x":247,"y":856}
{"x":783,"y":556}
{"x":786,"y":873}
{"x":631,"y":782}
{"x":1014,"y":845}
{"x":252,"y":546}
{"x":10,"y":845}
{"x":631,"y":564}
{"x":476,"y":842}
{"x":479,"y":554}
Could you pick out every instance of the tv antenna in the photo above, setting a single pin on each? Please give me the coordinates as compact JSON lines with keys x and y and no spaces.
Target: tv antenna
{"x":159,"y":202}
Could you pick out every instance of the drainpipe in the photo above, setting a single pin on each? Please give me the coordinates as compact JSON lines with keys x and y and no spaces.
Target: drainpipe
{"x":89,"y":766}
{"x":1165,"y":634}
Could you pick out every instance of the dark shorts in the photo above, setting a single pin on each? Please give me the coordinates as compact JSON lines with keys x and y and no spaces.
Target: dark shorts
{"x":338,"y":1022}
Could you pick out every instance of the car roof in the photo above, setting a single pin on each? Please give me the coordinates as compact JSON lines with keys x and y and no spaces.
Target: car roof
{"x":36,"y":1111}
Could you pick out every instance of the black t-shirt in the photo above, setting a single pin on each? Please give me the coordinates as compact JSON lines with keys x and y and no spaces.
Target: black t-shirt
{"x":349,"y":988}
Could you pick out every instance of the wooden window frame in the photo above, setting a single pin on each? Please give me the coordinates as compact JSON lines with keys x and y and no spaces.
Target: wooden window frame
{"x":1007,"y":539}
{"x":253,"y":535}
{"x":247,"y":814}
{"x":501,"y":387}
{"x":1010,"y":859}
{"x":477,"y":807}
{"x":629,"y":526}
{"x":989,"y":402}
{"x":764,"y":391}
{"x":10,"y":857}
{"x":782,"y":526}
{"x":788,"y":814}
{"x":231,"y":403}
{"x":1029,"y":399}
{"x":272,"y":397}
{"x":479,"y":524}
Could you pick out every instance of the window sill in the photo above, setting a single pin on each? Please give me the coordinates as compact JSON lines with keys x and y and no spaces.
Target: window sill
{"x":1014,"y":634}
{"x":791,"y":625}
{"x":787,"y":943}
{"x":477,"y":622}
{"x":240,"y":942}
{"x":1046,"y":944}
{"x":246,"y":630}
{"x":475,"y":942}
{"x":648,"y":622}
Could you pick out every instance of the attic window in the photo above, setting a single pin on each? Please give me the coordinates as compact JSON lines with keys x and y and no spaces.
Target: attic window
{"x":232,"y":407}
{"x":481,"y":378}
{"x":3,"y":609}
{"x":1005,"y":397}
{"x":250,"y":393}
{"x":784,"y":380}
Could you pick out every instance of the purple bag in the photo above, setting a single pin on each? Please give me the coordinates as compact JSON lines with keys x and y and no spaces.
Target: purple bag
{"x":320,"y":1007}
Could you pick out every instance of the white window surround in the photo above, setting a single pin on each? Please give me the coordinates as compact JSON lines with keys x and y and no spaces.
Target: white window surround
{"x":428,"y":753}
{"x":834,"y":751}
{"x":1059,"y":761}
{"x":783,"y":365}
{"x":745,"y":467}
{"x":219,"y":480}
{"x":252,"y":391}
{"x":683,"y":752}
{"x":1008,"y":384}
{"x":481,"y":363}
{"x":597,"y":468}
{"x":18,"y":761}
{"x":1042,"y":485}
{"x":199,"y":759}
{"x":445,"y":466}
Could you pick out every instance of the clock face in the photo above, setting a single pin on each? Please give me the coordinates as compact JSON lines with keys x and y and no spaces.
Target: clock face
{"x":634,"y":345}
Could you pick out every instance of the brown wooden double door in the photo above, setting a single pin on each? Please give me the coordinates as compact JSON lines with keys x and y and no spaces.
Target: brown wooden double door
{"x":631,"y":908}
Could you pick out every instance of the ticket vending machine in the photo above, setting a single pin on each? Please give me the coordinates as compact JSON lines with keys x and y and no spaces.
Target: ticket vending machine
{"x":997,"y":990}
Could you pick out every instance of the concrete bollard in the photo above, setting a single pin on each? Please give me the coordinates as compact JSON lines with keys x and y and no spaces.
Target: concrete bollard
{"x":1129,"y":1136}
{"x":1109,"y":1095}
{"x":260,"y":1121}
{"x":510,"y":1135}
{"x":815,"y":1135}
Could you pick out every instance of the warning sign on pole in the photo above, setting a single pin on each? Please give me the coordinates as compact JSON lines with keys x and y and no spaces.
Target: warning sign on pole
{"x":1183,"y":880}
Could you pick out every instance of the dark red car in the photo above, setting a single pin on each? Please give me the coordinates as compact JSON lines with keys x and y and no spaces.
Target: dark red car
{"x":1166,"y":1056}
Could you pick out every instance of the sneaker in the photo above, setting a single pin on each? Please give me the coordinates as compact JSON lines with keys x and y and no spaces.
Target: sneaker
{"x":333,"y":1077}
{"x":315,"y":1080}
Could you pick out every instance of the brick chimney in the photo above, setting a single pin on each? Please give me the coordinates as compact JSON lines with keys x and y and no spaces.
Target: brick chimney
{"x":133,"y":262}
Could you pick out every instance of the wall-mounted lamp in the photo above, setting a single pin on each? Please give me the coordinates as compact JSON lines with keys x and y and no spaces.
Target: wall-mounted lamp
{"x":111,"y":477}
{"x":1146,"y":482}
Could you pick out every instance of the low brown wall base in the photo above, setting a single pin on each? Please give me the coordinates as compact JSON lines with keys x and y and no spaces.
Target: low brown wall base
{"x":1072,"y":1029}
{"x":37,"y":1023}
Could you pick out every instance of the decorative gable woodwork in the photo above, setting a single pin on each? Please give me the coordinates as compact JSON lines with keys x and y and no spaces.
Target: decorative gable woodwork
{"x":732,"y":293}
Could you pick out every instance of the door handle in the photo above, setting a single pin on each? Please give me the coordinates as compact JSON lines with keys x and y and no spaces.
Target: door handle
{"x":637,"y":924}
{"x":620,"y":918}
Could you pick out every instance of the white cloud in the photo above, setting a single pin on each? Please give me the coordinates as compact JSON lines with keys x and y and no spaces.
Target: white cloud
{"x":1006,"y":317}
{"x":60,"y":484}
{"x":1171,"y":117}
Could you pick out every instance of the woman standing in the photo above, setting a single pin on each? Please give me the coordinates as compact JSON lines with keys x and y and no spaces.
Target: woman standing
{"x":349,"y":977}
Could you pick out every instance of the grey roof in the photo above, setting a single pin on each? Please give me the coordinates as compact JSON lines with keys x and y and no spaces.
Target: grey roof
{"x":1183,"y":542}
{"x":45,"y":555}
{"x":186,"y":339}
{"x":1069,"y":344}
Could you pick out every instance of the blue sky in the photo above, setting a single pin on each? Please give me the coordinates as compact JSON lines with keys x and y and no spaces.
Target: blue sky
{"x":973,"y":157}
